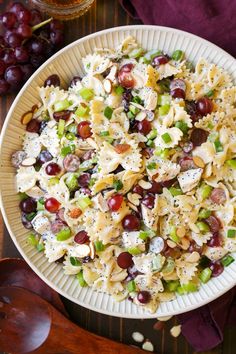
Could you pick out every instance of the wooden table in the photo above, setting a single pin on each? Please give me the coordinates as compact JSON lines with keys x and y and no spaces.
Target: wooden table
{"x":105,"y":14}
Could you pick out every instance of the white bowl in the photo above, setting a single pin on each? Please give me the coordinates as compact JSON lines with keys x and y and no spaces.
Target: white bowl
{"x":67,"y":63}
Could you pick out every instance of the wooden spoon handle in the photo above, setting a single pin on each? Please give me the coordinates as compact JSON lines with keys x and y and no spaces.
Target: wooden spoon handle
{"x":71,"y":339}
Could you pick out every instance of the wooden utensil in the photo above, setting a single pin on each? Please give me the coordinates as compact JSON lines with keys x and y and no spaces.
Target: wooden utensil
{"x":16,"y":272}
{"x":30,"y":324}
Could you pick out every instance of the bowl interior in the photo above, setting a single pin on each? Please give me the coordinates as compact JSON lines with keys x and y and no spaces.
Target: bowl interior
{"x":67,"y":63}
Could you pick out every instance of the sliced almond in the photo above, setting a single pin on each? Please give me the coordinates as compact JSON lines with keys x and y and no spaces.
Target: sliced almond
{"x":30,"y":161}
{"x":147,"y":345}
{"x":171,"y":244}
{"x":194,"y":228}
{"x":134,"y":198}
{"x":75,"y":213}
{"x":193,"y":257}
{"x":175,"y":331}
{"x":181,"y":231}
{"x":82,"y":251}
{"x":113,"y":73}
{"x":198,"y":161}
{"x":132,"y":206}
{"x":121,"y":148}
{"x":138,"y":337}
{"x":185,"y":243}
{"x":26,"y":118}
{"x":34,"y":108}
{"x":107,"y":84}
{"x":141,"y":116}
{"x":35,"y":192}
{"x":164,"y":318}
{"x":92,"y":250}
{"x":144,"y":184}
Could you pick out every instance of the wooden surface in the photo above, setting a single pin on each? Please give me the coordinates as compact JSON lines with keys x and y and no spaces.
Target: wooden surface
{"x":105,"y":14}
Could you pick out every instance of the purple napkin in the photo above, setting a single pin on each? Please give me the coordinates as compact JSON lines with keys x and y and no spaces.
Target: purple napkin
{"x":211,"y":19}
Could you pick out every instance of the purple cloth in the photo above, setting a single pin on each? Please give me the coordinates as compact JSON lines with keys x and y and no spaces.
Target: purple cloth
{"x":211,"y":19}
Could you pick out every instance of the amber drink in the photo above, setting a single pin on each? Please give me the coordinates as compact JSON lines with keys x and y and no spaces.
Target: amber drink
{"x":63,"y":9}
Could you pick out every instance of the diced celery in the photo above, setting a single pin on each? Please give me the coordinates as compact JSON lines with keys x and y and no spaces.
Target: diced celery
{"x":70,"y":136}
{"x":32,"y":240}
{"x":169,"y":266}
{"x":22,"y":196}
{"x":72,"y":128}
{"x":218,"y":146}
{"x":81,"y":280}
{"x":137,"y":99}
{"x":84,"y":202}
{"x":164,"y":85}
{"x":61,"y":128}
{"x":134,"y":251}
{"x":173,"y":236}
{"x":157,"y":263}
{"x":30,"y":216}
{"x":163,"y":99}
{"x":172,"y":285}
{"x":130,"y":115}
{"x":61,"y":105}
{"x":40,"y":204}
{"x":175,"y":191}
{"x":162,"y":153}
{"x":210,"y":125}
{"x":134,"y":109}
{"x":92,"y":181}
{"x":202,"y":226}
{"x":152,"y":166}
{"x":53,"y":181}
{"x":232,"y":163}
{"x":65,"y":150}
{"x":227,"y":260}
{"x":72,"y":182}
{"x":99,"y":246}
{"x":205,"y":190}
{"x":166,"y":138}
{"x":150,"y":55}
{"x":153,"y":134}
{"x":86,"y":93}
{"x":187,"y":288}
{"x":205,"y":275}
{"x":136,"y":53}
{"x":82,"y":110}
{"x":231,"y":233}
{"x":75,"y":262}
{"x":150,"y":143}
{"x":64,"y":234}
{"x":131,"y":286}
{"x":213,"y":136}
{"x":178,"y":55}
{"x":163,"y":110}
{"x":104,"y":133}
{"x":40,"y":247}
{"x":182,"y":126}
{"x":204,"y":262}
{"x":118,"y":185}
{"x":108,"y":112}
{"x":204,"y":213}
{"x":210,"y":93}
{"x":119,"y":90}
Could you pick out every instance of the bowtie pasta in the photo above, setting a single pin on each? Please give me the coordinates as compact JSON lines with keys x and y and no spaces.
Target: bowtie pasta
{"x":128,"y":176}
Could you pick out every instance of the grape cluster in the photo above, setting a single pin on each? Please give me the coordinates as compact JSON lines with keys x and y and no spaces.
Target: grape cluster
{"x":26,"y":42}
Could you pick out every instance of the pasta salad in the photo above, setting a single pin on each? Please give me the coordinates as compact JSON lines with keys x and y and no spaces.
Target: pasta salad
{"x":128,"y":176}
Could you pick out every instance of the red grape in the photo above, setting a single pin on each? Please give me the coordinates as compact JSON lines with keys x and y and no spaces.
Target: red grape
{"x":114,"y":202}
{"x":4,"y":87}
{"x":86,"y":191}
{"x":177,"y":93}
{"x":125,"y":77}
{"x":8,"y":20}
{"x":24,"y":30}
{"x":75,"y":80}
{"x":2,"y":67}
{"x":14,"y":75}
{"x":81,"y":237}
{"x":149,"y":201}
{"x":23,"y":16}
{"x":9,"y":57}
{"x":16,"y":7}
{"x":131,"y":223}
{"x":62,"y":115}
{"x":44,"y":156}
{"x":36,"y":17}
{"x":124,"y":260}
{"x":144,"y":297}
{"x":144,"y":126}
{"x":37,"y":46}
{"x":71,"y":162}
{"x":160,"y":60}
{"x":21,"y":54}
{"x":26,"y":223}
{"x":198,"y":136}
{"x":56,"y":25}
{"x":84,"y":179}
{"x":52,"y":205}
{"x":2,"y":41}
{"x":156,"y":188}
{"x":28,"y":205}
{"x":84,"y":130}
{"x":27,"y":70}
{"x":177,"y":83}
{"x":214,"y":223}
{"x":138,"y":189}
{"x":52,"y":80}
{"x":194,"y":247}
{"x":191,"y":109}
{"x":186,"y":163}
{"x":52,"y":169}
{"x":218,"y":196}
{"x":14,"y":40}
{"x":187,"y":147}
{"x":56,"y":38}
{"x":57,"y":226}
{"x":33,"y":126}
{"x":204,"y":106}
{"x":217,"y":268}
{"x":215,"y":240}
{"x":36,"y":60}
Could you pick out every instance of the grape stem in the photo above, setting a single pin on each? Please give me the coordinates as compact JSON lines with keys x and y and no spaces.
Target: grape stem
{"x":41,"y":24}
